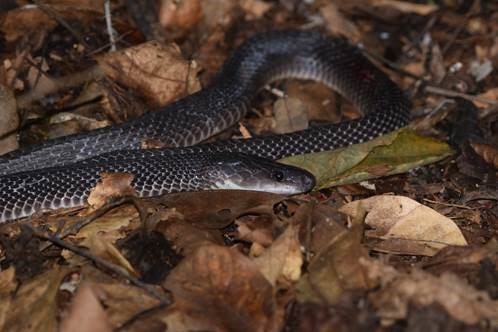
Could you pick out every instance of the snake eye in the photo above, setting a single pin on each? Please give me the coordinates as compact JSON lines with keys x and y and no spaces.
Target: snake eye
{"x":278,"y":176}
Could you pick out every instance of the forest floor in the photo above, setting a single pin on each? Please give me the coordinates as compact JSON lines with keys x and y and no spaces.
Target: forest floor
{"x":401,"y":235}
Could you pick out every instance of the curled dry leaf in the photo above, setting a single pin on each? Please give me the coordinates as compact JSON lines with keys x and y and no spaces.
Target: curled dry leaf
{"x":156,"y":71}
{"x":112,"y":185}
{"x":223,"y":290}
{"x":339,"y":24}
{"x":10,"y":120}
{"x":487,"y":152}
{"x":405,"y":225}
{"x":86,"y":313}
{"x":462,"y":301}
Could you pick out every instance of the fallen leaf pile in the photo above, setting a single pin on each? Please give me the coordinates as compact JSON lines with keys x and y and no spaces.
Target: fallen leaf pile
{"x":399,"y":233}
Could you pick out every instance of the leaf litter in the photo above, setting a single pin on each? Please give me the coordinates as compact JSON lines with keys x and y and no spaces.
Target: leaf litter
{"x":348,"y":256}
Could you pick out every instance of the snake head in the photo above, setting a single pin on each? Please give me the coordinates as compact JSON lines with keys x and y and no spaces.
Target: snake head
{"x":245,"y":172}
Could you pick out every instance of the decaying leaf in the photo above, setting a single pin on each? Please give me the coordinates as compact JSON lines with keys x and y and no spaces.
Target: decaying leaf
{"x":393,"y":153}
{"x":219,"y":288}
{"x":338,"y":24}
{"x":218,"y":208}
{"x":487,"y":152}
{"x":290,"y":114}
{"x":335,"y":268}
{"x":158,"y":72}
{"x":405,"y":225}
{"x":283,"y":259}
{"x":180,"y":14}
{"x":36,"y":299}
{"x":462,"y":301}
{"x":10,"y":120}
{"x":8,"y":285}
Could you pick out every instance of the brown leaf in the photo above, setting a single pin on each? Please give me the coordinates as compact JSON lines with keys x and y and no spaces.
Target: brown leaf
{"x":34,"y":306}
{"x":221,"y":289}
{"x":86,"y":313}
{"x":10,"y":120}
{"x":338,"y":23}
{"x":462,"y":301}
{"x":183,"y":14}
{"x":335,"y":267}
{"x":282,"y":261}
{"x":156,"y":71}
{"x":405,"y":226}
{"x":111,"y":185}
{"x":255,"y":8}
{"x":219,"y":208}
{"x":487,"y":152}
{"x":290,"y":114}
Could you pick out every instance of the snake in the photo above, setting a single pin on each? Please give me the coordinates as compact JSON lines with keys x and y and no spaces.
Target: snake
{"x":61,"y":172}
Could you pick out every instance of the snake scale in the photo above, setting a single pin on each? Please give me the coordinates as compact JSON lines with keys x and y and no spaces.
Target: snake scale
{"x":61,"y":172}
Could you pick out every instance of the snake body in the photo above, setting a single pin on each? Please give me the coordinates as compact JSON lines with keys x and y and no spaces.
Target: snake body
{"x":183,"y":124}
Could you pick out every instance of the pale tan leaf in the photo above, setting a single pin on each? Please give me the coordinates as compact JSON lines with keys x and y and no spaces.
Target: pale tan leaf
{"x":406,"y":225}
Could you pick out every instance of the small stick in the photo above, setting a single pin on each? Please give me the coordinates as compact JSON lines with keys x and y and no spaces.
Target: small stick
{"x":451,"y":93}
{"x":55,"y":16}
{"x":101,"y":262}
{"x":108,"y":22}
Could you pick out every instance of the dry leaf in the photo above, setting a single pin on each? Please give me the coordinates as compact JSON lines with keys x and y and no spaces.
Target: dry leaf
{"x":487,"y":152}
{"x":283,"y":259}
{"x":405,"y":225}
{"x":255,"y":8}
{"x":111,"y":185}
{"x":339,"y":24}
{"x":491,"y":95}
{"x":10,"y":120}
{"x":156,"y":71}
{"x":86,"y":313}
{"x":222,"y":290}
{"x":34,"y":306}
{"x":8,"y":285}
{"x":406,"y":7}
{"x":335,"y":267}
{"x":462,"y":301}
{"x":183,"y":14}
{"x":290,"y":114}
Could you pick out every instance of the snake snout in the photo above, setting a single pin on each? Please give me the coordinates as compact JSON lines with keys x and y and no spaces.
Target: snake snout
{"x":243,"y":172}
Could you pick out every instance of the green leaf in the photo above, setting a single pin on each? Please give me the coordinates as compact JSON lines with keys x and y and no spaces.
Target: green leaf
{"x":394,"y":153}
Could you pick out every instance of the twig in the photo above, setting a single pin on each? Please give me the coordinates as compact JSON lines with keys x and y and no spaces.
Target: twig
{"x":451,"y":93}
{"x":55,"y":16}
{"x":74,"y":229}
{"x":101,"y":262}
{"x":108,"y":22}
{"x":391,"y":65}
{"x":139,"y":315}
{"x":448,"y":204}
